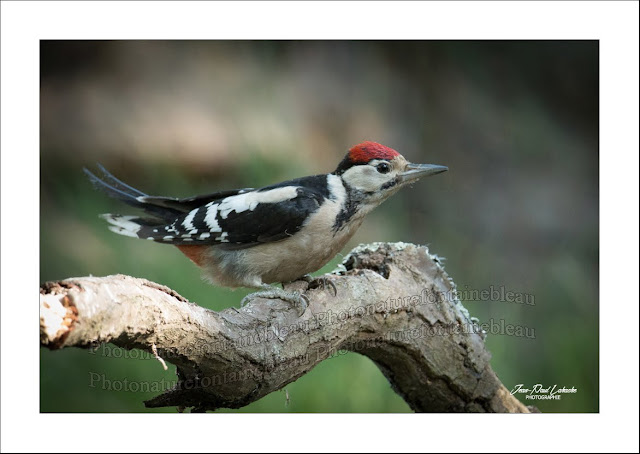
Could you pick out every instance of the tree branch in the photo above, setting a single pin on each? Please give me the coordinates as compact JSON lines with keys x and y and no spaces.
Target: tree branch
{"x":394,"y":304}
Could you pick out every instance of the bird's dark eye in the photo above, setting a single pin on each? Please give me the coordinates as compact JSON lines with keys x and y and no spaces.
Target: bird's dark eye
{"x":383,"y":167}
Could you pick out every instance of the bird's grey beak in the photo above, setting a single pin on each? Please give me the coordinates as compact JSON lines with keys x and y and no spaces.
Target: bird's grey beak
{"x":417,"y":171}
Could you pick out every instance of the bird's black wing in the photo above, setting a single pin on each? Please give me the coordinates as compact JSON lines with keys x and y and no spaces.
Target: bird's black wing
{"x":237,"y":221}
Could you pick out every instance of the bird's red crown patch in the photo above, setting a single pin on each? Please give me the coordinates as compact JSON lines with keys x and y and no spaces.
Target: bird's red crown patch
{"x":366,"y":151}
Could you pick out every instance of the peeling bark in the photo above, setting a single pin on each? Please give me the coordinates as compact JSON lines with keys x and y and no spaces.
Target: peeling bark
{"x":395,"y":304}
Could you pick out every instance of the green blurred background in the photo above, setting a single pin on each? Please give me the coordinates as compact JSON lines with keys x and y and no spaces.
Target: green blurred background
{"x":515,"y":121}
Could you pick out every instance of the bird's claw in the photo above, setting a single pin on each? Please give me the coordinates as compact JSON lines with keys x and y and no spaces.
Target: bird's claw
{"x":315,"y":282}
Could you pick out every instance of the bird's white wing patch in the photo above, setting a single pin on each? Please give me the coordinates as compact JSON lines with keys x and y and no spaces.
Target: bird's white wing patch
{"x":250,"y":200}
{"x":188,"y":221}
{"x":211,"y":218}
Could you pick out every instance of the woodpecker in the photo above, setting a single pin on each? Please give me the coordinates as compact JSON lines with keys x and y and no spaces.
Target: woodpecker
{"x":276,"y":234}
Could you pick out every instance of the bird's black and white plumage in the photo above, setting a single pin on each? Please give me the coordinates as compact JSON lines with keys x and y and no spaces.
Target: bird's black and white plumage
{"x":279,"y":233}
{"x":234,"y":219}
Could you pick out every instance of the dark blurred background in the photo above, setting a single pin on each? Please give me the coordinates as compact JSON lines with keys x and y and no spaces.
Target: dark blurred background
{"x":515,"y":121}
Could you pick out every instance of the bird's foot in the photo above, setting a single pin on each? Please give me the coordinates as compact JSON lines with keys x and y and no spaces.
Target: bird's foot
{"x":319,"y":281}
{"x":297,"y":299}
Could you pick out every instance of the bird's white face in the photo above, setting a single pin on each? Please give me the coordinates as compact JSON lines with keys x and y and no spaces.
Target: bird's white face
{"x":377,"y":176}
{"x":372,"y":183}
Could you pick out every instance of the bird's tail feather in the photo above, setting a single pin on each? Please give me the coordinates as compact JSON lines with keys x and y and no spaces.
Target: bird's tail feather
{"x":133,"y":226}
{"x":117,"y":189}
{"x":113,"y":187}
